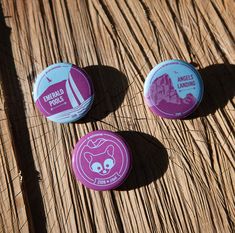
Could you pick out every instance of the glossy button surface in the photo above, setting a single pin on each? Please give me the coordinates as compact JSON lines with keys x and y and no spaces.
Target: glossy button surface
{"x":173,"y":89}
{"x":63,"y":93}
{"x":101,"y":160}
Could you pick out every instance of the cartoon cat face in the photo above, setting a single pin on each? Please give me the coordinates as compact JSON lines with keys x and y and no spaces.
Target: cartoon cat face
{"x":101,"y":163}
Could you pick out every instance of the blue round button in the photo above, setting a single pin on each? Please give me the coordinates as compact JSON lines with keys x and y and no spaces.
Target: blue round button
{"x":63,"y":93}
{"x":173,"y":89}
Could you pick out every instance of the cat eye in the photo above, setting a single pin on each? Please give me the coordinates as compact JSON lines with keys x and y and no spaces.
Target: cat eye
{"x":108,"y":163}
{"x":96,"y":167}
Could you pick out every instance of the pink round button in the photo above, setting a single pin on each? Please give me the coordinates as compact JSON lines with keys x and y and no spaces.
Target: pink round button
{"x":101,"y":160}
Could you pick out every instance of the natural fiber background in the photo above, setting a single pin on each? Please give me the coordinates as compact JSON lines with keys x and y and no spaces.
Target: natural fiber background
{"x":183,"y":170}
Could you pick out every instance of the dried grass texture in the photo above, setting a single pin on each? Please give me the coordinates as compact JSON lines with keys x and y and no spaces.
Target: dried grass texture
{"x":183,"y":173}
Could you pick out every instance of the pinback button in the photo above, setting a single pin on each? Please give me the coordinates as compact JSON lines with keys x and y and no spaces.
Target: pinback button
{"x":101,"y":160}
{"x":173,"y":89}
{"x":63,"y":93}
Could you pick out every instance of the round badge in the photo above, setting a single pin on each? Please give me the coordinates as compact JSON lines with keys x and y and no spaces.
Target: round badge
{"x":63,"y":93}
{"x":101,"y":160}
{"x":173,"y":89}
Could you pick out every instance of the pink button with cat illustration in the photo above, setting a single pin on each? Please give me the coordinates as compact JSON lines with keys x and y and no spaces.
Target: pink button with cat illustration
{"x":173,"y":89}
{"x":101,"y":160}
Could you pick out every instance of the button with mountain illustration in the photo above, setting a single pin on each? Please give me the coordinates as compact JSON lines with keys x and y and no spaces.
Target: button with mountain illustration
{"x":63,"y":93}
{"x":173,"y":89}
{"x":101,"y":160}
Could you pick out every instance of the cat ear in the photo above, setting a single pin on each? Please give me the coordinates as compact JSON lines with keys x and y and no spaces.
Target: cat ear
{"x":88,"y":156}
{"x":110,"y":150}
{"x":91,"y":144}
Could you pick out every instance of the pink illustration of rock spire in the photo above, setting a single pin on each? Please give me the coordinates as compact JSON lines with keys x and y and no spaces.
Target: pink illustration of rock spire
{"x":166,"y":98}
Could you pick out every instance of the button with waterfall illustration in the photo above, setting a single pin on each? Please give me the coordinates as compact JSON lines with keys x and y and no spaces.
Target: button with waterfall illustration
{"x":173,"y":89}
{"x":63,"y":93}
{"x":101,"y":160}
